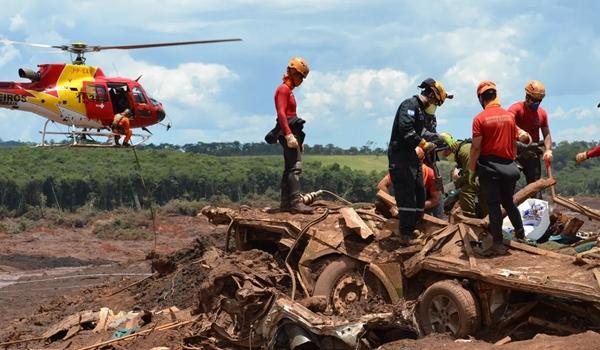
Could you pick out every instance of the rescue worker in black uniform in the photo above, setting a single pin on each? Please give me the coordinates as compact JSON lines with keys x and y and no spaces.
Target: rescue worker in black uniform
{"x":407,"y":141}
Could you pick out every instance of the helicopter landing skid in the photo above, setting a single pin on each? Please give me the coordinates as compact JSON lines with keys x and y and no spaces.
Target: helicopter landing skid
{"x":84,"y":138}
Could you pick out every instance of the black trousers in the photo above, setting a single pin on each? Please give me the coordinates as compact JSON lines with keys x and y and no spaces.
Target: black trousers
{"x":498,"y":188}
{"x":292,"y":167}
{"x":532,"y":169}
{"x":409,"y":191}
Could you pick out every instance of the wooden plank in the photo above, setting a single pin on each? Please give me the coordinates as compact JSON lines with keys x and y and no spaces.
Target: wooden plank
{"x":464,"y":234}
{"x":552,"y":325}
{"x":520,"y":312}
{"x":562,"y":289}
{"x":355,"y":223}
{"x":538,"y":251}
{"x":596,"y":272}
{"x":386,"y":198}
{"x":413,"y":265}
{"x":503,"y":341}
{"x":576,"y":207}
{"x":572,"y":227}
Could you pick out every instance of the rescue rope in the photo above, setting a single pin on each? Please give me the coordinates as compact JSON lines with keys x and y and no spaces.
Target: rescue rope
{"x":148,"y":195}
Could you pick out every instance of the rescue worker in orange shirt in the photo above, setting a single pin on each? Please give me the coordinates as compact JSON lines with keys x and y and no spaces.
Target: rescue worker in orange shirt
{"x":532,"y":118}
{"x":433,"y":196}
{"x":493,"y":153}
{"x":288,"y":132}
{"x":120,"y":126}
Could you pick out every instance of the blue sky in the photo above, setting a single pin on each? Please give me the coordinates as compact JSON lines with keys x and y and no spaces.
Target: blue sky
{"x":365,"y":56}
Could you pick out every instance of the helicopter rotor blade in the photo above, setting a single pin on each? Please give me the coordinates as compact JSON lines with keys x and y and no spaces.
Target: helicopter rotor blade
{"x":10,"y":42}
{"x":174,"y":43}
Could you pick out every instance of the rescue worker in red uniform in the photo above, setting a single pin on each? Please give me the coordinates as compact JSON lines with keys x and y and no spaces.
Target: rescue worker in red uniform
{"x":583,"y":156}
{"x":408,"y":133}
{"x":290,"y":136}
{"x":493,"y":152}
{"x":532,"y":118}
{"x":120,"y":126}
{"x":433,"y":196}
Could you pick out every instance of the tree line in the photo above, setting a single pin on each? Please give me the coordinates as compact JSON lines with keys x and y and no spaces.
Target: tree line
{"x":69,"y":178}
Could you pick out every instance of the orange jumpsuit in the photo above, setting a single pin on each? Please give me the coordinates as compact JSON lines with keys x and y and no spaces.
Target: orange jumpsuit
{"x":120,"y":126}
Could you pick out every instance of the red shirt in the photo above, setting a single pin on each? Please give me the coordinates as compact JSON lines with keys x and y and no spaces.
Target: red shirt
{"x":529,"y":120}
{"x":428,"y":179}
{"x":285,"y":105}
{"x":498,"y":132}
{"x":594,"y":152}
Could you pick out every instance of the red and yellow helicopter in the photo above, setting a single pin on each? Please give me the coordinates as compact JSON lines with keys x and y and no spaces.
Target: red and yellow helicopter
{"x":82,"y":97}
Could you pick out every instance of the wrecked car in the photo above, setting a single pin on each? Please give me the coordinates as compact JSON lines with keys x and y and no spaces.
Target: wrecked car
{"x":350,"y":257}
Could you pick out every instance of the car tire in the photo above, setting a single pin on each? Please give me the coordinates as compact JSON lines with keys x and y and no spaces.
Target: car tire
{"x":447,"y":307}
{"x":344,"y":281}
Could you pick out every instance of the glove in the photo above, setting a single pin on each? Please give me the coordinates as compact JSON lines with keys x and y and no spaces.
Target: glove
{"x":548,"y":156}
{"x":524,"y":136}
{"x":580,"y":157}
{"x":427,"y":146}
{"x":291,"y":141}
{"x":420,"y":153}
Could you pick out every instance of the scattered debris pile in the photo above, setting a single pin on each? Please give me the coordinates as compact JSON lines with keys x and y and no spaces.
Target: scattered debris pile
{"x":338,"y":279}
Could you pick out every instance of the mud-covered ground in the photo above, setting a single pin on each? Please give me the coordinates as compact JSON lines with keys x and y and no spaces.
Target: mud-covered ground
{"x":49,"y":273}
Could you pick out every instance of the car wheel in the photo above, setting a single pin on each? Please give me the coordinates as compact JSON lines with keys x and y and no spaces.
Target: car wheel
{"x":346,"y":281}
{"x":447,"y":307}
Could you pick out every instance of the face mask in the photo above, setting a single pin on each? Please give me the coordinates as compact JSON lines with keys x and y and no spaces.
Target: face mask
{"x":534,"y":106}
{"x":431,"y":109}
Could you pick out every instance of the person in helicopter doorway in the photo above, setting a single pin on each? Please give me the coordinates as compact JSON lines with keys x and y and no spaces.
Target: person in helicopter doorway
{"x":120,"y":126}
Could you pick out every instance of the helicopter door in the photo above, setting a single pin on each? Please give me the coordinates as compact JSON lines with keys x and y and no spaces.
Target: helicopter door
{"x":97,"y":103}
{"x":142,"y":106}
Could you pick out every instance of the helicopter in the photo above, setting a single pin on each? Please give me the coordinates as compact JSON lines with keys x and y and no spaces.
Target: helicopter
{"x":82,"y":97}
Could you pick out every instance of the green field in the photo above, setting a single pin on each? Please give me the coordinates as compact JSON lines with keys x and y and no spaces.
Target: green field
{"x":358,"y":162}
{"x":365,"y":163}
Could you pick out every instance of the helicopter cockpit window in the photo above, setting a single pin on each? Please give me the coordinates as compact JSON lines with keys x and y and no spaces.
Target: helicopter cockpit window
{"x":138,"y":95}
{"x":96,"y":93}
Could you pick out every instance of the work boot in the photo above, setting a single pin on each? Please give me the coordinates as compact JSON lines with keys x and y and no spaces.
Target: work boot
{"x":499,"y":249}
{"x":519,"y":234}
{"x":298,"y":207}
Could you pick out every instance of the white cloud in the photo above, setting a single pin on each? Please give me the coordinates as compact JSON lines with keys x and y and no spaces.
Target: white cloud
{"x":587,"y":133}
{"x":354,"y":95}
{"x":575,"y":113}
{"x":7,"y":54}
{"x":17,"y":22}
{"x":192,"y":84}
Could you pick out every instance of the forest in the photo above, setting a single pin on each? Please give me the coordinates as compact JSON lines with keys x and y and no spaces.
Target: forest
{"x":105,"y":179}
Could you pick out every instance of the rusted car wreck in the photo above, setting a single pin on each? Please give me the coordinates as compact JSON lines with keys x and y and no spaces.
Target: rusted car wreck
{"x":342,"y":258}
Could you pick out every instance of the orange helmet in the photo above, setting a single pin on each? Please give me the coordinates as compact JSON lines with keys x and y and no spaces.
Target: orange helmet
{"x":484,"y":86}
{"x":300,"y":65}
{"x":438,"y":89}
{"x":535,"y":89}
